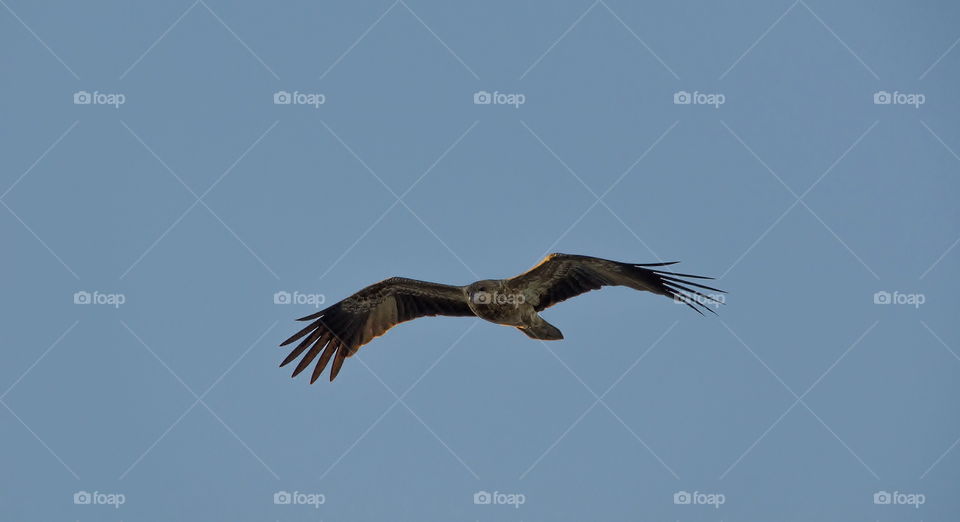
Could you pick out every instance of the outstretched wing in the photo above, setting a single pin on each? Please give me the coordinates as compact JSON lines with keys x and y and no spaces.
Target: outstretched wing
{"x":562,"y":276}
{"x":343,"y":328}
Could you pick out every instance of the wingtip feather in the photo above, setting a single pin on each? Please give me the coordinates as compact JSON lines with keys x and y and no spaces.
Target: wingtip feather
{"x":337,"y":362}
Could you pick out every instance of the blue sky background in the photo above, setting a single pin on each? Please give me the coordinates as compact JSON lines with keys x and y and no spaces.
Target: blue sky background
{"x":199,"y":198}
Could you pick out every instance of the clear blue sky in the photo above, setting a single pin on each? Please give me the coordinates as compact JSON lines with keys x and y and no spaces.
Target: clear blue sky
{"x":193,"y":202}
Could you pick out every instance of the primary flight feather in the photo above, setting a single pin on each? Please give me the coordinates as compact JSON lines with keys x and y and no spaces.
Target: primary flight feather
{"x":337,"y":332}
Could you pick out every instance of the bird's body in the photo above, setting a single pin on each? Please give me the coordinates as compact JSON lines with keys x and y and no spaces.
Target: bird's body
{"x":343,"y":328}
{"x":509,"y":303}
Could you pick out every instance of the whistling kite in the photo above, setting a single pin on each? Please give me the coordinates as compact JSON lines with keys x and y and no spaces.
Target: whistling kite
{"x":340,"y":330}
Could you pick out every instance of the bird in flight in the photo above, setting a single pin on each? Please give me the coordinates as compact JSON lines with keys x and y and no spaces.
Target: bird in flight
{"x":341,"y":329}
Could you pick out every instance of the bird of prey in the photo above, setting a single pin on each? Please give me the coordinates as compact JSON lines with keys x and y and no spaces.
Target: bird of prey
{"x":340,"y":330}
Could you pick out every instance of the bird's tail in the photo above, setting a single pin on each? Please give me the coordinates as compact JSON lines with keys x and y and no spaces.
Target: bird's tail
{"x":542,"y":330}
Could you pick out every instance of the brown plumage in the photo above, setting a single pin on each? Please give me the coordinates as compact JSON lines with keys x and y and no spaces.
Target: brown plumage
{"x":338,"y":332}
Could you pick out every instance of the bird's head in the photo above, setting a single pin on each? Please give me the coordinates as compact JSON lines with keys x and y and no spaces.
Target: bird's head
{"x":483,"y":292}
